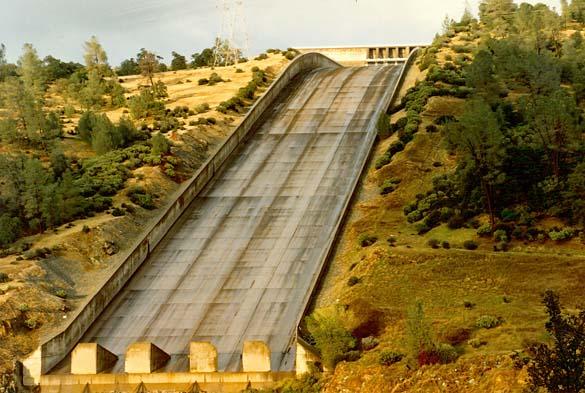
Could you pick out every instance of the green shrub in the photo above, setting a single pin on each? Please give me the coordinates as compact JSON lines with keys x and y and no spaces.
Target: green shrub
{"x":31,"y":323}
{"x":353,"y":280}
{"x":422,"y":228}
{"x":562,"y":234}
{"x":140,"y":197}
{"x":447,"y":353}
{"x":61,"y":293}
{"x":160,"y":144}
{"x":388,"y":358}
{"x":203,"y":81}
{"x":470,"y":245}
{"x":366,"y":240}
{"x":4,"y":277}
{"x":383,"y":161}
{"x":414,"y":216}
{"x":433,"y":243}
{"x":262,"y":56}
{"x":202,"y":108}
{"x":331,"y":338}
{"x":85,"y":229}
{"x":239,"y":71}
{"x":446,"y":245}
{"x":488,"y":322}
{"x":500,"y":235}
{"x":255,"y":69}
{"x":389,"y":186}
{"x":117,"y":212}
{"x":484,"y":230}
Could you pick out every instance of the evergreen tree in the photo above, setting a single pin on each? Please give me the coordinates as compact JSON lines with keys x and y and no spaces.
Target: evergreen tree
{"x":179,"y":62}
{"x":553,"y":120}
{"x":479,"y":138}
{"x":561,"y":367}
{"x":497,"y":15}
{"x":96,"y":58}
{"x":32,"y":73}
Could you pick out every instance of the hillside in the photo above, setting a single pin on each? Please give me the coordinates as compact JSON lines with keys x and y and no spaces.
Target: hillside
{"x":479,"y":291}
{"x":45,"y":276}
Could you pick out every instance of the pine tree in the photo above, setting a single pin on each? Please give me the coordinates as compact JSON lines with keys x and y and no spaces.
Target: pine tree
{"x":479,"y":138}
{"x":32,"y":73}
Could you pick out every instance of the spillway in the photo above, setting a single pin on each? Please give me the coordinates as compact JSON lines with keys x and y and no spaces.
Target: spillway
{"x":241,"y":261}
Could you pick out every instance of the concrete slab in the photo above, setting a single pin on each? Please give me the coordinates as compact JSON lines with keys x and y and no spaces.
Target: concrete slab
{"x":256,"y":357}
{"x":202,"y":357}
{"x":144,"y":358}
{"x":91,"y":358}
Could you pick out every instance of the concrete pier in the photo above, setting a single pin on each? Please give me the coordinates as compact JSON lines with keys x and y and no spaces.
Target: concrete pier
{"x":91,"y":358}
{"x":202,"y":357}
{"x":256,"y":357}
{"x":144,"y":358}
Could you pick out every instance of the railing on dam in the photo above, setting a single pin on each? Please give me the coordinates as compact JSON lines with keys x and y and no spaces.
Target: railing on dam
{"x":361,"y":55}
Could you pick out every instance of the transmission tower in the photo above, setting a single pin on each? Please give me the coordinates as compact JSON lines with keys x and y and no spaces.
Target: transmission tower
{"x":232,"y":41}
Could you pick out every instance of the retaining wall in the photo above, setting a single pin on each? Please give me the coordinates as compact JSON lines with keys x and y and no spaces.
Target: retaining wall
{"x":55,"y":348}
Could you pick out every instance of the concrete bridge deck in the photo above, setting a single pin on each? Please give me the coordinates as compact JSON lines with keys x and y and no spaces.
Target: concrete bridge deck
{"x":241,"y":261}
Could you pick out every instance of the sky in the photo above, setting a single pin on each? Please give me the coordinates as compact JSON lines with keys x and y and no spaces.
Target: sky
{"x":59,"y":27}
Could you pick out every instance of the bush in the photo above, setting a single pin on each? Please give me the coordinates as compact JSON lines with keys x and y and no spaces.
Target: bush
{"x":353,"y":280}
{"x":500,"y":235}
{"x":470,"y":245}
{"x":239,"y":71}
{"x":31,"y":323}
{"x":369,"y":343}
{"x":366,"y":240}
{"x":140,"y":197}
{"x":383,"y":161}
{"x":4,"y":277}
{"x":61,"y":293}
{"x":433,"y":243}
{"x":431,"y":128}
{"x":446,"y":245}
{"x":262,"y":56}
{"x":456,"y":222}
{"x":422,"y":228}
{"x":203,"y":81}
{"x":488,"y":322}
{"x":255,"y":69}
{"x":388,"y":358}
{"x":414,"y":216}
{"x":160,"y":144}
{"x":330,"y":336}
{"x":389,"y":186}
{"x":202,"y":108}
{"x":447,"y":353}
{"x":117,"y":212}
{"x":562,"y":234}
{"x":484,"y":230}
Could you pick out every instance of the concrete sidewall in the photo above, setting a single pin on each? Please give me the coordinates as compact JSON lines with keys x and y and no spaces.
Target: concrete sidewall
{"x":54,"y":349}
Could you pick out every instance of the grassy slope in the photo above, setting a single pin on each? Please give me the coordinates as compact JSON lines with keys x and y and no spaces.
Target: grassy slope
{"x":79,"y":261}
{"x":393,"y":278}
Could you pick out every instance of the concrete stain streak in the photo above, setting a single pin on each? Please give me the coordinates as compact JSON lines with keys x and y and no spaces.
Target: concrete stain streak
{"x":239,"y":262}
